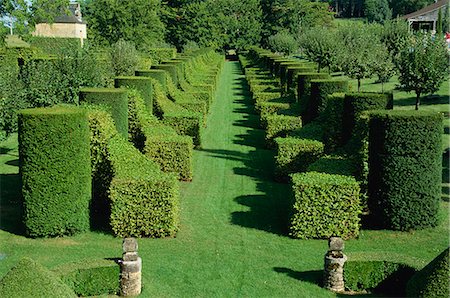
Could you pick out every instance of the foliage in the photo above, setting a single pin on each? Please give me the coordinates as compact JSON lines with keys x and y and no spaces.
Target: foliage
{"x":423,"y":66}
{"x":91,"y":277}
{"x":124,"y":58}
{"x":142,"y":85}
{"x":319,"y":45}
{"x":55,"y":45}
{"x":324,"y":205}
{"x":304,"y":86}
{"x":30,"y":279}
{"x":395,"y":35}
{"x":333,"y":117}
{"x":377,"y":10}
{"x":383,"y":66}
{"x":403,"y":7}
{"x":280,"y":125}
{"x":432,"y":280}
{"x":335,"y":164}
{"x":283,"y":42}
{"x":132,"y":20}
{"x":378,"y":276}
{"x":159,"y":54}
{"x":55,"y":170}
{"x":405,"y":164}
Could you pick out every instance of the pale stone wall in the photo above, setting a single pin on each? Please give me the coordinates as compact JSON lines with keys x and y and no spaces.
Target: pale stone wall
{"x":72,"y":30}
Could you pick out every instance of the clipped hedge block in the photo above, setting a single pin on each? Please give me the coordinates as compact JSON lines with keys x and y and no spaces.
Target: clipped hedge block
{"x":382,"y":277}
{"x":304,"y":86}
{"x":433,"y":279}
{"x":55,"y":170}
{"x":91,"y":277}
{"x":320,"y":89}
{"x":141,"y":84}
{"x":324,"y":205}
{"x":114,"y":99}
{"x":405,"y":164}
{"x":333,"y":117}
{"x":157,"y":74}
{"x":30,"y":279}
{"x":336,"y":164}
{"x":159,"y":54}
{"x":294,"y":71}
{"x":280,"y":126}
{"x":171,"y":70}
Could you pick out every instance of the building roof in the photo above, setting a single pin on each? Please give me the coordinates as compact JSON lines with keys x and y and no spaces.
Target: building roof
{"x":70,"y":19}
{"x":427,"y":9}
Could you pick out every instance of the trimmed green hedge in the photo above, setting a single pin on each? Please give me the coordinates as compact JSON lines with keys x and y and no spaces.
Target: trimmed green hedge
{"x":386,"y":278}
{"x":30,"y":279}
{"x":320,"y":89}
{"x":405,"y":164}
{"x":294,"y":71}
{"x":304,"y":86}
{"x":91,"y":277}
{"x":283,"y":70}
{"x":116,"y":100}
{"x":159,"y":54}
{"x":336,"y":163}
{"x":55,"y":45}
{"x":280,"y":126}
{"x":142,"y":84}
{"x":433,"y":279}
{"x":324,"y":205}
{"x":157,"y":74}
{"x":333,"y":117}
{"x":356,"y":103}
{"x":142,"y":201}
{"x":55,"y":170}
{"x":171,"y":70}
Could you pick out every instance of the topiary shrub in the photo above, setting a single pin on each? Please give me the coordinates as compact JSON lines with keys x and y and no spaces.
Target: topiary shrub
{"x":55,"y":170}
{"x":320,"y":89}
{"x":157,"y":74}
{"x":382,"y":277}
{"x":405,"y":164}
{"x":91,"y":277}
{"x":115,"y":100}
{"x":280,"y":126}
{"x":141,"y":84}
{"x":259,"y":97}
{"x":432,"y":280}
{"x":333,"y":117}
{"x":283,"y":70}
{"x":159,"y":54}
{"x":293,"y":71}
{"x":324,"y":205}
{"x":356,"y":103}
{"x":30,"y":279}
{"x":336,"y":164}
{"x":55,"y":45}
{"x":304,"y":86}
{"x":171,"y":70}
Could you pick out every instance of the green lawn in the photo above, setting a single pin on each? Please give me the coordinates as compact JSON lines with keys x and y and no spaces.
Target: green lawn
{"x":232,"y":240}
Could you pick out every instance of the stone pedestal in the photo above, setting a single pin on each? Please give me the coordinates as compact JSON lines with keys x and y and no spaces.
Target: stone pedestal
{"x":333,"y":272}
{"x":130,"y":269}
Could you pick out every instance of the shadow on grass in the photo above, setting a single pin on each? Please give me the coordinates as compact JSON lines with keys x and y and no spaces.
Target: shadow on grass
{"x":312,"y":276}
{"x":11,"y":204}
{"x":445,"y":178}
{"x":427,"y":100}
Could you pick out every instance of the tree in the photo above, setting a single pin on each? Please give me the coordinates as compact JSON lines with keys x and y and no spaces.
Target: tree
{"x":423,"y":66}
{"x":395,"y":35}
{"x":132,"y":20}
{"x":319,"y":45}
{"x":439,"y":23}
{"x":283,"y":42}
{"x":403,"y":7}
{"x":377,"y":10}
{"x":383,"y":66}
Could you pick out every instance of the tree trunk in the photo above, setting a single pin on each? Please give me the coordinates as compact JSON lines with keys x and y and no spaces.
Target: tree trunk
{"x":417,"y":100}
{"x":359,"y":84}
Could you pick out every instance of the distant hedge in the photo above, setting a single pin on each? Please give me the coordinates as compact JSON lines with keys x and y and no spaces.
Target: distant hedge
{"x":114,"y":99}
{"x":405,"y":164}
{"x":304,"y":86}
{"x":157,"y":74}
{"x":324,"y":205}
{"x":292,"y":73}
{"x":55,"y":45}
{"x":159,"y":54}
{"x":170,"y":69}
{"x":141,"y":84}
{"x":30,"y":279}
{"x":55,"y":170}
{"x":433,"y":279}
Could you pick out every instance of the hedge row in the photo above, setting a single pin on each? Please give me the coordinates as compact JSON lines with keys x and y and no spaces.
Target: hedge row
{"x":55,"y":170}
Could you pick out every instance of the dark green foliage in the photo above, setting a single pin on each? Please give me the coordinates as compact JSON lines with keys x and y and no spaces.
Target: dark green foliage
{"x":405,"y":166}
{"x":304,"y":86}
{"x":157,"y":74}
{"x":382,"y":277}
{"x":337,"y":164}
{"x":267,"y":108}
{"x":324,"y":205}
{"x":171,"y":70}
{"x":280,"y":126}
{"x":377,"y":10}
{"x":432,"y":280}
{"x":124,"y":58}
{"x":141,"y":84}
{"x":356,"y":103}
{"x":293,"y":71}
{"x":55,"y":45}
{"x":55,"y":170}
{"x":283,"y":42}
{"x":333,"y":117}
{"x":160,"y":54}
{"x":30,"y":279}
{"x":116,"y":100}
{"x":91,"y":277}
{"x":320,"y":89}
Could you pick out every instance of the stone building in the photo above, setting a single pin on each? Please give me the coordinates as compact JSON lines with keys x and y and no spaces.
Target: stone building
{"x":426,"y":18}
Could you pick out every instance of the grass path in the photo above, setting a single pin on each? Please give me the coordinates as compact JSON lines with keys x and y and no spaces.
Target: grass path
{"x":232,"y":241}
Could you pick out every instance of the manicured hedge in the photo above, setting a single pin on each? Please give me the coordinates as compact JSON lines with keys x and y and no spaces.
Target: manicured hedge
{"x":142,"y":84}
{"x":304,"y":86}
{"x":356,"y":103}
{"x":142,"y":201}
{"x":382,"y":277}
{"x":159,"y":54}
{"x":30,"y":279}
{"x":114,"y":99}
{"x":324,"y":205}
{"x":333,"y":117}
{"x":433,"y":279}
{"x":293,"y":71}
{"x":55,"y":45}
{"x":170,"y":69}
{"x":157,"y":74}
{"x":405,"y":164}
{"x":91,"y":277}
{"x":320,"y":89}
{"x":336,"y":163}
{"x":280,"y":126}
{"x":187,"y":100}
{"x":283,"y":70}
{"x":55,"y":170}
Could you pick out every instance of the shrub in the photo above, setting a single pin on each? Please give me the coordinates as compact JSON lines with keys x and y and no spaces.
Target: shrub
{"x":277,"y":65}
{"x":405,"y":165}
{"x":55,"y":45}
{"x":91,"y":277}
{"x":304,"y":86}
{"x":116,"y":100}
{"x":324,"y":205}
{"x":320,"y":89}
{"x":267,"y":108}
{"x":124,"y":58}
{"x":283,"y":42}
{"x":55,"y":170}
{"x":283,"y":72}
{"x":159,"y":54}
{"x":293,"y":71}
{"x":333,"y":117}
{"x":336,"y":164}
{"x":141,"y":84}
{"x":280,"y":126}
{"x":432,"y":280}
{"x":382,"y":277}
{"x":30,"y":279}
{"x":157,"y":74}
{"x":171,"y":70}
{"x":356,"y":103}
{"x":259,"y":97}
